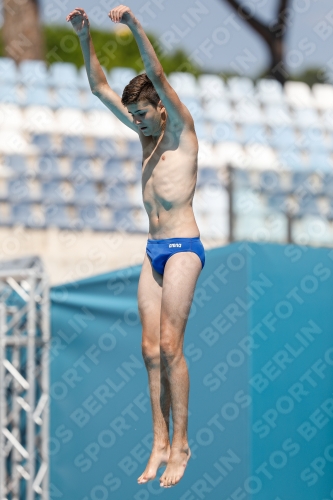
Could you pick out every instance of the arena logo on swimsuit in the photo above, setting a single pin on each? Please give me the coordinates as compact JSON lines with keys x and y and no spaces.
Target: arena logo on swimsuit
{"x":175,"y":245}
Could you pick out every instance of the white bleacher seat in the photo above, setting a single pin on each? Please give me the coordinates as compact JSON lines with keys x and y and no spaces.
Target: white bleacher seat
{"x":314,"y":139}
{"x":135,"y":193}
{"x":314,"y":230}
{"x":254,"y":132}
{"x":70,"y":121}
{"x":63,"y":74}
{"x":206,"y":155}
{"x":82,"y":79}
{"x":275,"y":115}
{"x":307,"y":118}
{"x":211,"y":198}
{"x":224,"y":131}
{"x":39,"y":119}
{"x":211,"y":212}
{"x":91,"y":101}
{"x":184,"y":84}
{"x":239,"y":87}
{"x":202,"y":129}
{"x":213,"y":227}
{"x":247,"y":201}
{"x":119,"y":77}
{"x":11,"y":116}
{"x":101,"y":123}
{"x":327,"y":119}
{"x":298,"y":95}
{"x":291,"y":159}
{"x":283,"y":137}
{"x":211,"y":87}
{"x":261,"y":228}
{"x":320,"y":161}
{"x":218,"y":110}
{"x":37,"y":96}
{"x":230,"y":153}
{"x":67,"y":98}
{"x":13,"y":141}
{"x":8,"y":70}
{"x":269,"y":91}
{"x":323,"y":95}
{"x":124,"y":132}
{"x":33,"y":72}
{"x":260,"y":157}
{"x":9,"y":93}
{"x":194,"y":106}
{"x":248,"y":110}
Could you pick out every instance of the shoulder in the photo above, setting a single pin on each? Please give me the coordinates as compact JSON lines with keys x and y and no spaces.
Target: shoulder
{"x":182,"y":131}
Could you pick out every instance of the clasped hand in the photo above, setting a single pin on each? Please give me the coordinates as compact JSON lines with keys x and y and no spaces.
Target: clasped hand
{"x":79,"y":19}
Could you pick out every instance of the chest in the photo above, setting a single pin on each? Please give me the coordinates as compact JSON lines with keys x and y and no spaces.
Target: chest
{"x":168,"y":172}
{"x":164,"y":178}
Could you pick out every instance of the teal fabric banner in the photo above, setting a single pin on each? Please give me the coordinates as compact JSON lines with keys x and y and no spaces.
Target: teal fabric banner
{"x":259,"y":347}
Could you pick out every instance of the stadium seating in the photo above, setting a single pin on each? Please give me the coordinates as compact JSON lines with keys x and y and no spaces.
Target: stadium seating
{"x":8,"y":71}
{"x":68,"y":161}
{"x":33,"y":73}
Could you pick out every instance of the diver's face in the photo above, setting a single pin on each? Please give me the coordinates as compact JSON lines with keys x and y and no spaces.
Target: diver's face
{"x":146,"y":117}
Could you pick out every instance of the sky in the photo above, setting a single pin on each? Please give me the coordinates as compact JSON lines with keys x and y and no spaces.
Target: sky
{"x":213,"y":35}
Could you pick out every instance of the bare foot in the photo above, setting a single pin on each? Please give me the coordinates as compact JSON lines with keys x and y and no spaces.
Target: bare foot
{"x":159,"y":457}
{"x":176,"y":466}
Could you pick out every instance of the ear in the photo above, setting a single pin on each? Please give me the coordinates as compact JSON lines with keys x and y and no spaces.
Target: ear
{"x":161,"y":106}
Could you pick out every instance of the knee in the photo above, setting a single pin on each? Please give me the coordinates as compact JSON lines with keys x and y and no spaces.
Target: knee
{"x":150,"y":353}
{"x":170,"y":350}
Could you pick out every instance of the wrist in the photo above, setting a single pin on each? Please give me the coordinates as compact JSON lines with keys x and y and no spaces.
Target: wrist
{"x":133,"y":23}
{"x":84,"y":37}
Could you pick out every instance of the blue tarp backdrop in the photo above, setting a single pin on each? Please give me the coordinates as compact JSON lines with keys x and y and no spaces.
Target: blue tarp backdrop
{"x":259,"y":347}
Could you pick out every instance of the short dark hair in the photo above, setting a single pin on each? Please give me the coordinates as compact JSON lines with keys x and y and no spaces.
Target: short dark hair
{"x":140,"y":88}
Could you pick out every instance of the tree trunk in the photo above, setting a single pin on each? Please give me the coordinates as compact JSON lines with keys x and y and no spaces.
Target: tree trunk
{"x":272,"y":34}
{"x":22,"y":32}
{"x":277,"y":68}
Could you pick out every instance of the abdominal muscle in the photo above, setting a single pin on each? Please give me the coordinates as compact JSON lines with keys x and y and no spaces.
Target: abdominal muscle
{"x":178,"y":222}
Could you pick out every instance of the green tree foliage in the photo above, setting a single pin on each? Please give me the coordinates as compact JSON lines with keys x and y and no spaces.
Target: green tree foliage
{"x":112,"y":49}
{"x":120,"y":49}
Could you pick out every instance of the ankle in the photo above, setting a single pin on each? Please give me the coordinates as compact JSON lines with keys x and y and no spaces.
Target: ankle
{"x":180,"y":444}
{"x":161,"y":445}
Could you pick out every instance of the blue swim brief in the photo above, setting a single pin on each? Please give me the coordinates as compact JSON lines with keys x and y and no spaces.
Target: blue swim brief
{"x":161,"y":250}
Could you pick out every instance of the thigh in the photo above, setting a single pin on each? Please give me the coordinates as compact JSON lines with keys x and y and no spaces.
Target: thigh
{"x":181,"y":273}
{"x":149,"y":301}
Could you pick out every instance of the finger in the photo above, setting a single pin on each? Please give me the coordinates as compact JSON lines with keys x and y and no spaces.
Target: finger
{"x":75,"y":13}
{"x":125,"y":10}
{"x":119,"y":13}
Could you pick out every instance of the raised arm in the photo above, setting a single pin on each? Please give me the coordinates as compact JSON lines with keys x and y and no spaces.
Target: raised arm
{"x":177,"y":111}
{"x":97,"y":80}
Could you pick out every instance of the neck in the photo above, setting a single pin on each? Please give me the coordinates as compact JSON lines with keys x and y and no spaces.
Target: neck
{"x":159,"y":133}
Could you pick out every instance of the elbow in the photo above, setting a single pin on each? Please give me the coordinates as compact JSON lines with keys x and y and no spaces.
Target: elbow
{"x":156,"y":74}
{"x":99,"y":88}
{"x":95,"y":91}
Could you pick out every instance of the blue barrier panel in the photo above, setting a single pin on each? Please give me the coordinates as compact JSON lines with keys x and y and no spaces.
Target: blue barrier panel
{"x":292,"y":372}
{"x":260,"y":411}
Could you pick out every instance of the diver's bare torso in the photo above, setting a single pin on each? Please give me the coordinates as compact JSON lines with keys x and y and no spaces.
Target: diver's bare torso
{"x":169,"y":174}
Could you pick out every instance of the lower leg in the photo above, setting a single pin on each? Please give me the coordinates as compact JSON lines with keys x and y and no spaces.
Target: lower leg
{"x":160,"y":402}
{"x":179,"y":389}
